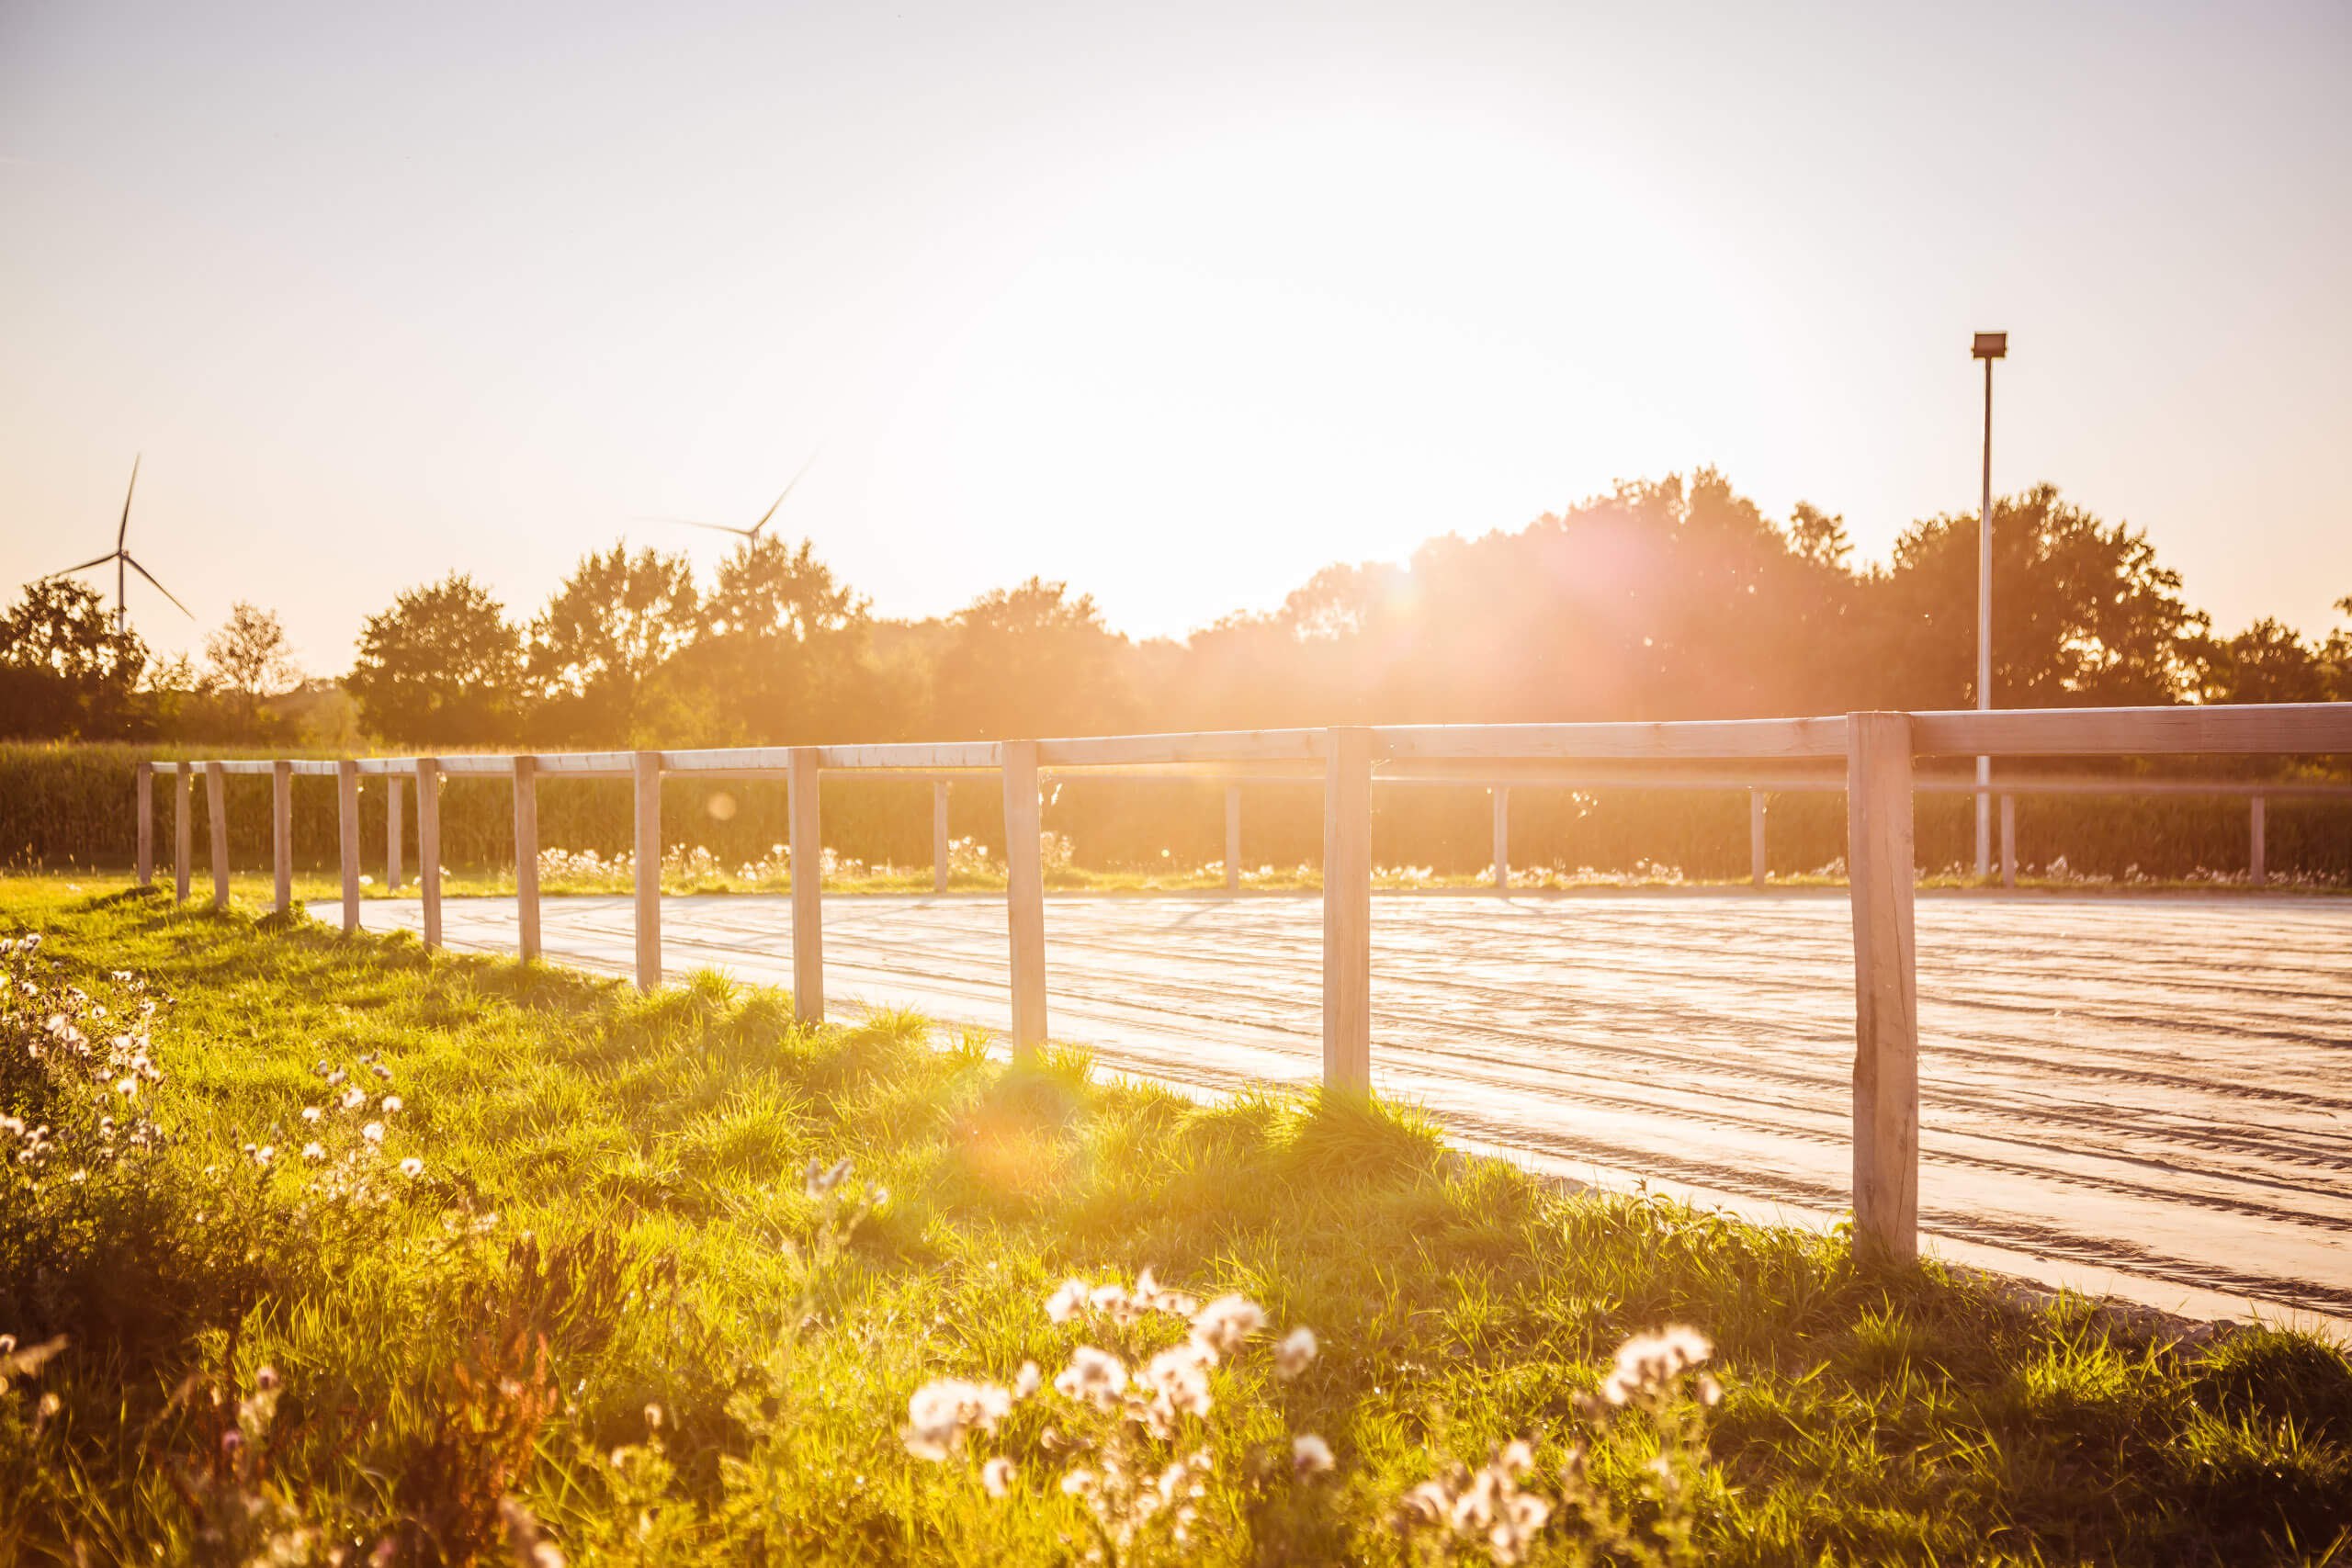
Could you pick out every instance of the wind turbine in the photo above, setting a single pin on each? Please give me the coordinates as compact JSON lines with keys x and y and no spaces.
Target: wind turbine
{"x":121,"y":558}
{"x":754,"y":531}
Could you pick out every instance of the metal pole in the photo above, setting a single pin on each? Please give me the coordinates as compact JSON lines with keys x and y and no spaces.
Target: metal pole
{"x":1233,"y":837}
{"x":1984,"y":638}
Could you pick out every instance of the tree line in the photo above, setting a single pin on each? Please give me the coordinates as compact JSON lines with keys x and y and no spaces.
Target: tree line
{"x":1663,"y":599}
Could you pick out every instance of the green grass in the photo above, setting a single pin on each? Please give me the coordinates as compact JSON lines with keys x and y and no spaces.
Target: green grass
{"x":611,"y":1216}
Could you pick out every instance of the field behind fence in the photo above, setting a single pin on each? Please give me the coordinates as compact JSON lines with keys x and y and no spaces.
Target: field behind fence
{"x":63,"y":806}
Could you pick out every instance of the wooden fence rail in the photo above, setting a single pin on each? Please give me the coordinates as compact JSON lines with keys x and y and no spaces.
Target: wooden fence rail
{"x":1878,"y":750}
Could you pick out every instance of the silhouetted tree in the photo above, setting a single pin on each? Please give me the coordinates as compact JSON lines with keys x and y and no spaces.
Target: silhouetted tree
{"x":250,"y":658}
{"x":443,"y":666}
{"x":614,"y":623}
{"x":778,"y":653}
{"x":1031,"y":662}
{"x":64,"y":669}
{"x":2082,"y":613}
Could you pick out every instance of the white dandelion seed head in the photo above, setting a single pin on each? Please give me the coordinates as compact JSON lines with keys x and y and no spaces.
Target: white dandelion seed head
{"x":1093,"y":1376}
{"x":411,"y":1168}
{"x":1294,"y":1353}
{"x":940,"y":1413}
{"x":1179,"y":1378}
{"x":1227,"y":1322}
{"x":314,"y":1152}
{"x":996,"y":1476}
{"x":1067,"y":1301}
{"x":1310,"y":1455}
{"x":1649,"y":1361}
{"x":373,"y":1131}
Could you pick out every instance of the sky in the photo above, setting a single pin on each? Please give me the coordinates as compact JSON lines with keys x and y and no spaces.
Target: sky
{"x":1175,"y":303}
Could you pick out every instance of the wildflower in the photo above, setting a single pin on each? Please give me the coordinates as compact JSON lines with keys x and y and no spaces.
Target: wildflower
{"x":309,"y":1113}
{"x":265,"y":1378}
{"x":127,"y":1088}
{"x":1067,"y":1301}
{"x":1148,"y":1294}
{"x":1291,"y":1356}
{"x":373,"y":1131}
{"x":1026,"y":1383}
{"x":1093,"y":1374}
{"x":314,"y":1152}
{"x":1310,"y":1455}
{"x":1424,"y":1507}
{"x":380,"y":1070}
{"x":1078,"y":1482}
{"x":262,"y":1155}
{"x":996,"y":1476}
{"x":356,"y":1097}
{"x":821,"y":1181}
{"x":336,"y":1077}
{"x":1179,"y":1378}
{"x":1647,"y":1362}
{"x":411,"y":1168}
{"x":392,"y":1103}
{"x":939,"y":1414}
{"x":1226,"y":1322}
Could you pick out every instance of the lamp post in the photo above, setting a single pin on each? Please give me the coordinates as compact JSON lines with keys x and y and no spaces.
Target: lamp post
{"x":1989,"y":347}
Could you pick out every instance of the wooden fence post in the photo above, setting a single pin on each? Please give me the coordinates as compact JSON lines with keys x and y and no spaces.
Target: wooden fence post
{"x":646,"y":869}
{"x":940,"y":853}
{"x":526,"y":856}
{"x":395,"y":829}
{"x":1233,"y":837}
{"x":216,"y":792}
{"x":183,"y":827}
{"x":1503,"y":839}
{"x":1025,"y":893}
{"x":146,"y":824}
{"x":1881,"y":876}
{"x":2258,"y":848}
{"x":281,"y":832}
{"x":346,"y":823}
{"x":803,"y":807}
{"x":428,"y":846}
{"x":2009,"y":840}
{"x":1346,"y":910}
{"x":1759,"y":869}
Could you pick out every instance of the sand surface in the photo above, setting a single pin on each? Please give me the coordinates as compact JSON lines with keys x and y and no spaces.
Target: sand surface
{"x":2155,"y":1094}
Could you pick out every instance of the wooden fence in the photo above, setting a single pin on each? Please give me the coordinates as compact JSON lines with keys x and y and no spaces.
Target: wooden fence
{"x":1877,"y":751}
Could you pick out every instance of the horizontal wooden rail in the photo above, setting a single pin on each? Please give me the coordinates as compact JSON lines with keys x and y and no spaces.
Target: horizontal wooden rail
{"x":2286,"y":728}
{"x":1696,"y":740}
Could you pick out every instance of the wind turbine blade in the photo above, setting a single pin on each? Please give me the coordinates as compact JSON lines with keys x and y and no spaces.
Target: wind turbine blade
{"x":714,"y":528}
{"x":84,"y":566}
{"x":159,"y":587}
{"x":124,"y":531}
{"x":779,"y":500}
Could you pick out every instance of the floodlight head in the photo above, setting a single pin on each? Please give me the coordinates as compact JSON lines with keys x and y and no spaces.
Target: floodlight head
{"x":1991,"y":346}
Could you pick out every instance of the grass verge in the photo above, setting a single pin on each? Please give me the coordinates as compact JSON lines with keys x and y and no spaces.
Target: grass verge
{"x":609,"y":1315}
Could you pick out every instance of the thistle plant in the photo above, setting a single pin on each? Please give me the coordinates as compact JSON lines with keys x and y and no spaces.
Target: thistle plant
{"x":1127,"y":1432}
{"x":1500,"y":1509}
